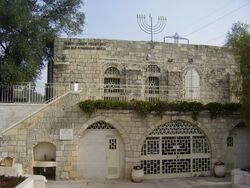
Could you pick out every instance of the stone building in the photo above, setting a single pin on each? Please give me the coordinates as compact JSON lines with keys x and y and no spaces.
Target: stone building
{"x":67,"y":143}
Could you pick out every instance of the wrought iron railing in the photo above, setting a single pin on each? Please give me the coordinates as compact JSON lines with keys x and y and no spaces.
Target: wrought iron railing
{"x":32,"y":93}
{"x":120,"y":92}
{"x":38,"y":93}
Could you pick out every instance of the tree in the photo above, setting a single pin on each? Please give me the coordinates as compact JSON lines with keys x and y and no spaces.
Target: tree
{"x":238,"y":38}
{"x":27,"y":32}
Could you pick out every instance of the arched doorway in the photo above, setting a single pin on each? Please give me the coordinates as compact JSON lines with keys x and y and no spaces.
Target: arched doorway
{"x":238,"y":148}
{"x":176,"y":149}
{"x":101,"y":152}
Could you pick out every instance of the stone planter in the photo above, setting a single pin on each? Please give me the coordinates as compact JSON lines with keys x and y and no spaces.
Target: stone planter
{"x":220,"y":171}
{"x":137,"y":175}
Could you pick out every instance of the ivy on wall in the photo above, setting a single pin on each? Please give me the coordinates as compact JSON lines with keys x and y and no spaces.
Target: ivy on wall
{"x":143,"y":107}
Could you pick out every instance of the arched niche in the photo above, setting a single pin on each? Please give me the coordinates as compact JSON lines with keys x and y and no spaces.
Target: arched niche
{"x":44,"y":151}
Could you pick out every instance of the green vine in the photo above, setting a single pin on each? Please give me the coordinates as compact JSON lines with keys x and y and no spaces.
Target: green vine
{"x":143,"y":107}
{"x":88,"y":106}
{"x":218,"y":109}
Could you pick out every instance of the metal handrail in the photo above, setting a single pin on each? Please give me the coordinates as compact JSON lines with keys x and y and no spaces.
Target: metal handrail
{"x":32,"y":93}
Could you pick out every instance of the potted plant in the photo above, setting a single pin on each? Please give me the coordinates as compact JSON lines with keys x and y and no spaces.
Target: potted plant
{"x":219,"y":169}
{"x":74,"y":86}
{"x":137,"y":174}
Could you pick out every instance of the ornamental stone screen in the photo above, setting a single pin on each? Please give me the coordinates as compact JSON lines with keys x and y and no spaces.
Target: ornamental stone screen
{"x":174,"y":149}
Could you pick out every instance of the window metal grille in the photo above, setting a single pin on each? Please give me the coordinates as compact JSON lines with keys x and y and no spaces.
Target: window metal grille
{"x":153,"y":68}
{"x":153,"y":85}
{"x":112,"y":84}
{"x":112,"y":144}
{"x":230,"y":141}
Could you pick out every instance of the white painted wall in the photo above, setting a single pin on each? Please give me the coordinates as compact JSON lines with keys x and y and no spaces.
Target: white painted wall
{"x":44,"y":148}
{"x":242,"y":147}
{"x":92,"y":154}
{"x":238,"y":156}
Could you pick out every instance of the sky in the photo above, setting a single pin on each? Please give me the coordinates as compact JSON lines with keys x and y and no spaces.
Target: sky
{"x":201,"y":21}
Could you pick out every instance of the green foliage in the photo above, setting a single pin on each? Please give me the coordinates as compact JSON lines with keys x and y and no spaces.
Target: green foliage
{"x":27,"y":32}
{"x":215,"y":109}
{"x":88,"y":106}
{"x":238,"y":38}
{"x":218,"y":109}
{"x":159,"y":107}
{"x":143,"y":107}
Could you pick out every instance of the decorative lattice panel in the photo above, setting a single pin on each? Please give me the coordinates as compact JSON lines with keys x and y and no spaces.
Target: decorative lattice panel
{"x":176,"y":148}
{"x":183,"y":145}
{"x":168,"y":144}
{"x":169,"y":166}
{"x":173,"y":166}
{"x":200,"y":144}
{"x":183,"y":165}
{"x":201,"y":165}
{"x":176,"y":127}
{"x":151,"y":146}
{"x":100,"y":125}
{"x":151,"y":166}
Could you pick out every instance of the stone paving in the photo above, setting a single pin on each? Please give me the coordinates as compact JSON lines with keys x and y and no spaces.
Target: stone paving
{"x":206,"y":182}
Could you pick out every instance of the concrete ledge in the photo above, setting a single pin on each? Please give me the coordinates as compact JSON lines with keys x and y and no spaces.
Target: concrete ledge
{"x":33,"y":181}
{"x":15,"y":170}
{"x":240,"y":178}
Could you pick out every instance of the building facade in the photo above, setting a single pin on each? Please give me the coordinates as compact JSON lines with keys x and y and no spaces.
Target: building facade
{"x":109,"y":143}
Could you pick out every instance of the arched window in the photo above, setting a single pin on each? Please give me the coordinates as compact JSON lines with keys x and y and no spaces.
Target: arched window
{"x":153,"y":68}
{"x":111,"y":83}
{"x":192,"y":84}
{"x":112,"y":76}
{"x":112,"y":71}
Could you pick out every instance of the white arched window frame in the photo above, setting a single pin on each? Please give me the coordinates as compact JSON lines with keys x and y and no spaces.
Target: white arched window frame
{"x":192,"y":85}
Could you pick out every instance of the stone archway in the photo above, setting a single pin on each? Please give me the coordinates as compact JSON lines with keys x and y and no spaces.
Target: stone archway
{"x":237,"y":147}
{"x":176,"y":149}
{"x":101,"y":152}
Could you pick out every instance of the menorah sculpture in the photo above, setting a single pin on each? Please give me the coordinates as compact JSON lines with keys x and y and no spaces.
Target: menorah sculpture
{"x":150,"y":28}
{"x":176,"y":38}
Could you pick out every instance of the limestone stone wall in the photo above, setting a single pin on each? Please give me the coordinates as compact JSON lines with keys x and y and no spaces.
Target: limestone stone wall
{"x":64,"y":113}
{"x":12,"y":113}
{"x":85,"y":60}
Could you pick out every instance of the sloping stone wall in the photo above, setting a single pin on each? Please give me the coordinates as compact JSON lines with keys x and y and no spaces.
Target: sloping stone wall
{"x":65,"y":113}
{"x":12,"y":113}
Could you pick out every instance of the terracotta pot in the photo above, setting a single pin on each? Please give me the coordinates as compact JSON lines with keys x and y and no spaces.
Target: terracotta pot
{"x":220,"y":170}
{"x":137,"y":175}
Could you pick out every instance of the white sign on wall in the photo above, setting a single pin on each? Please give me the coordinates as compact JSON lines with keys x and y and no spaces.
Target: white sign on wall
{"x":66,"y":134}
